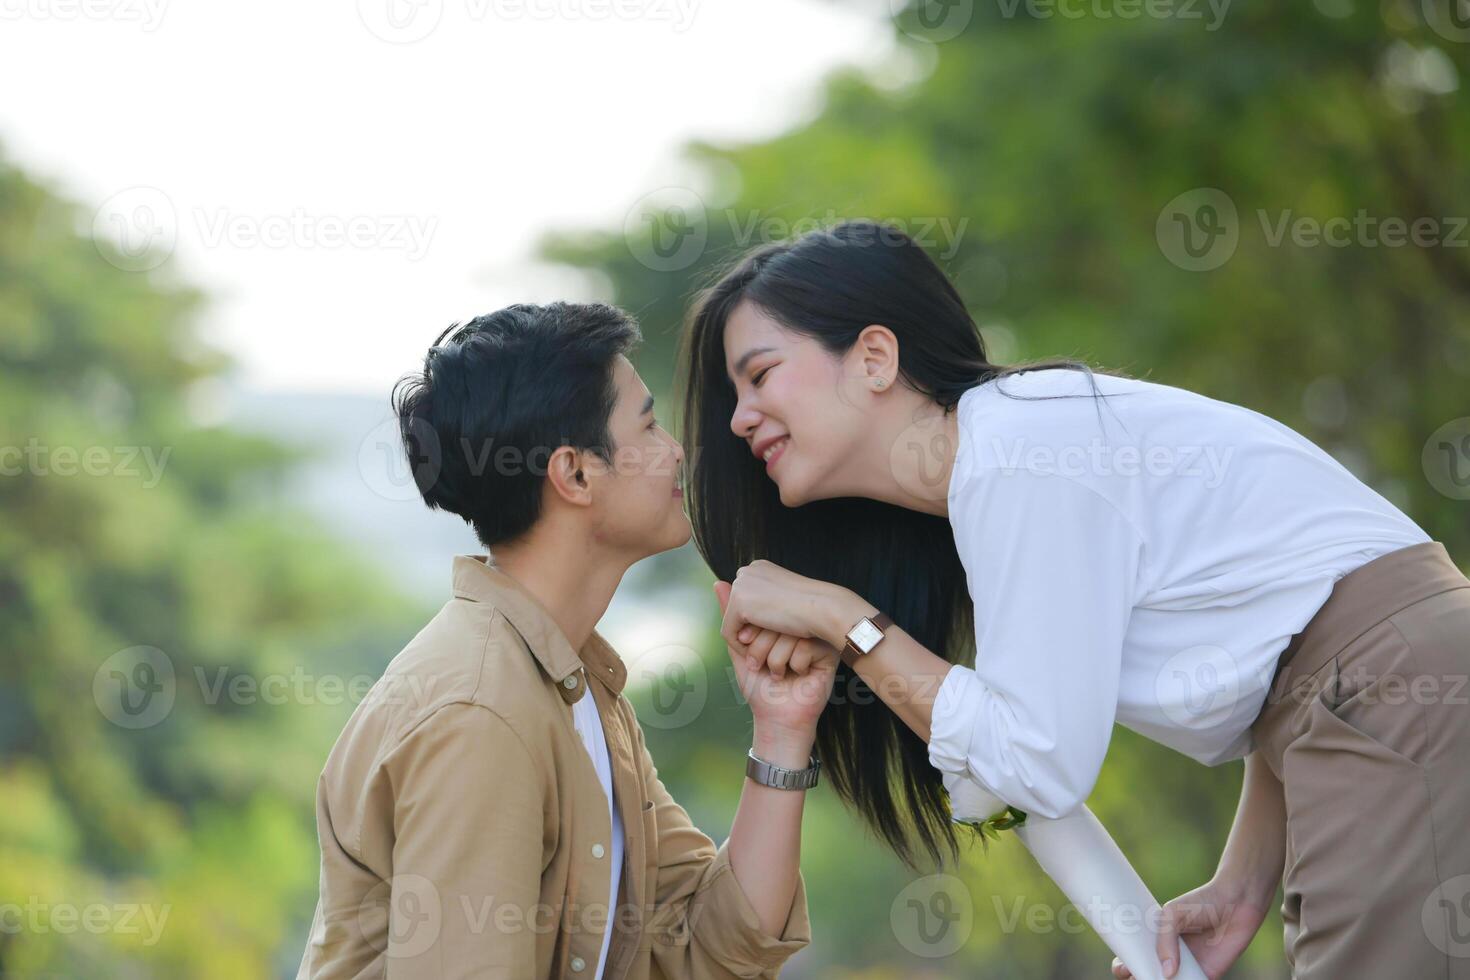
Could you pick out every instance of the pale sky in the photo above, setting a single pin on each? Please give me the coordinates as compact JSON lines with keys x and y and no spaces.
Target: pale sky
{"x":346,"y":178}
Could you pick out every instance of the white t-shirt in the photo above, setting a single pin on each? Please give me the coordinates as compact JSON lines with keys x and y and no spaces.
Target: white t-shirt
{"x":1140,"y":559}
{"x":589,"y":725}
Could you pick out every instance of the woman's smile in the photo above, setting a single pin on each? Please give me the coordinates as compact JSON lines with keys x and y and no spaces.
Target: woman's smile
{"x":775,"y":451}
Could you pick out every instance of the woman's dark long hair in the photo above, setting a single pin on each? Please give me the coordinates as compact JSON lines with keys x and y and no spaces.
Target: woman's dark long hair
{"x":829,"y":285}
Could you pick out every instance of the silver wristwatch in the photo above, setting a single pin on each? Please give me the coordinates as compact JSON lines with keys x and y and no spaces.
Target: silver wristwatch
{"x":777,"y":777}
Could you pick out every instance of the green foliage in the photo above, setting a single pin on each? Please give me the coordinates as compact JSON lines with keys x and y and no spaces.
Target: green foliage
{"x":186,"y":847}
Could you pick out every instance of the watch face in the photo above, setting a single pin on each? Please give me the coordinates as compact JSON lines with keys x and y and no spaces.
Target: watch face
{"x":865,"y":635}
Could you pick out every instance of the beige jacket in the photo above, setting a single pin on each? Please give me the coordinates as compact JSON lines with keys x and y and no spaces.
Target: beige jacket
{"x":464,"y":832}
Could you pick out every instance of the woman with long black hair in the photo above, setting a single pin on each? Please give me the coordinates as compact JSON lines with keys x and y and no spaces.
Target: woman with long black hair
{"x":1012,"y":559}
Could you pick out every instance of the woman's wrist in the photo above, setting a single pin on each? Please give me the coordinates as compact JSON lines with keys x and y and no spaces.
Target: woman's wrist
{"x":842,"y":613}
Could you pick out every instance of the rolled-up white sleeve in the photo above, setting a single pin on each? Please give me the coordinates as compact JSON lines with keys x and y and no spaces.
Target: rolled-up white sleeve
{"x":1053,"y":567}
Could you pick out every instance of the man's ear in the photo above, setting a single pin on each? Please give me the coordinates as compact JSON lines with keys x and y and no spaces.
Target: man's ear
{"x":568,"y":477}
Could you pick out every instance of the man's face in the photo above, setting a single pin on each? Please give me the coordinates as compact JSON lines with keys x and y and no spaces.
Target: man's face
{"x":638,"y":496}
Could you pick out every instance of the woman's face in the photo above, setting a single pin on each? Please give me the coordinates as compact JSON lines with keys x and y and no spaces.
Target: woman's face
{"x":795,"y":406}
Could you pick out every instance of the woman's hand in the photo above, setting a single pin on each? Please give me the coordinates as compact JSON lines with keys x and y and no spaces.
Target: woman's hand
{"x":783,"y":708}
{"x":779,"y":652}
{"x":785,"y":621}
{"x":1217,"y":921}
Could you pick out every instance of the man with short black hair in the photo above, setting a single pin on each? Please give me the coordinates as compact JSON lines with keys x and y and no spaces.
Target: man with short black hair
{"x":490,"y":809}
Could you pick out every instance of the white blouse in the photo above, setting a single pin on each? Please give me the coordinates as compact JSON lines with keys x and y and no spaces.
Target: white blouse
{"x":1140,"y":559}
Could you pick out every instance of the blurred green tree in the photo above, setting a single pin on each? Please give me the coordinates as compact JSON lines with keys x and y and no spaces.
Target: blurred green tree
{"x":164,"y":829}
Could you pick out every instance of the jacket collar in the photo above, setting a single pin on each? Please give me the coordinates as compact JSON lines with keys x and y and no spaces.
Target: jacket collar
{"x":478,"y":581}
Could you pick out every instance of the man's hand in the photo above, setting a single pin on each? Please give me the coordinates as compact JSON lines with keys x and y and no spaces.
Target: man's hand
{"x":785,"y":708}
{"x":1216,"y":920}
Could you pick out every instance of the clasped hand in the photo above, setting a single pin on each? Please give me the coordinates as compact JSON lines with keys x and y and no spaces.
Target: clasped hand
{"x":781,"y":621}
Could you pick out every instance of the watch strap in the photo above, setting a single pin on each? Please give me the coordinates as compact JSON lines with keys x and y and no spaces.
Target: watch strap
{"x":779,"y":777}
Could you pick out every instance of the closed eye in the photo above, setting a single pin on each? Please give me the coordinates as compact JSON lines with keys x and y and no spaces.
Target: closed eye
{"x":759,"y":377}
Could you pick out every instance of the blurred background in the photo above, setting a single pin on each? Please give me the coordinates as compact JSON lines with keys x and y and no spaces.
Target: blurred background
{"x":226,"y":229}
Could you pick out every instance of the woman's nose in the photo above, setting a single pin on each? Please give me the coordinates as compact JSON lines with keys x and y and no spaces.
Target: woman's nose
{"x":744,"y":420}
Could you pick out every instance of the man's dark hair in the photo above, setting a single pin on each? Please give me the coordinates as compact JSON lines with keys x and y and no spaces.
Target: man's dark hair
{"x":497,"y":396}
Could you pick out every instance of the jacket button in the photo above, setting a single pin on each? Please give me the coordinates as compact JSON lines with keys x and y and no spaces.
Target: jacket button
{"x":570,"y":682}
{"x":578,"y":964}
{"x":598,"y":851}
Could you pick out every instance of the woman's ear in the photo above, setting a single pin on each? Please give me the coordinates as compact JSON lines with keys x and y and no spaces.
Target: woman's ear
{"x":568,"y":477}
{"x":877,"y":351}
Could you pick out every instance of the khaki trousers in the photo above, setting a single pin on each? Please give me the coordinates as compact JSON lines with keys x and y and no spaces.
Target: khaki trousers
{"x":1367,"y":726}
